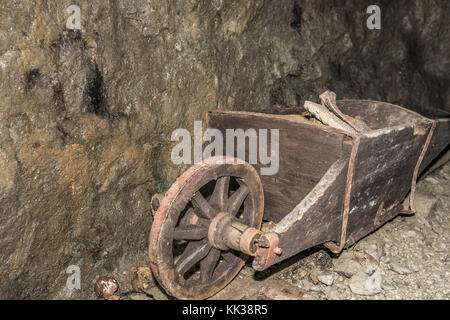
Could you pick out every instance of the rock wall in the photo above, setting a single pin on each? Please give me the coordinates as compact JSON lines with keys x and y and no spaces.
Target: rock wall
{"x":86,"y":115}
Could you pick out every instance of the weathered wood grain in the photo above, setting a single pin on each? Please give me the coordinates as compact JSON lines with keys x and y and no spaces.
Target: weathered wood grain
{"x":378,"y":115}
{"x":306,"y":152}
{"x":383,"y":174}
{"x":316,"y":219}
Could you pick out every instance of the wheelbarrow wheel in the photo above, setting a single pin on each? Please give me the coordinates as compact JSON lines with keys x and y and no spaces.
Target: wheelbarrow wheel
{"x":182,"y":256}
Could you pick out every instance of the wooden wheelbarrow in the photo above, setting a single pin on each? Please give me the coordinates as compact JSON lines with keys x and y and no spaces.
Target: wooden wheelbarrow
{"x":337,"y":181}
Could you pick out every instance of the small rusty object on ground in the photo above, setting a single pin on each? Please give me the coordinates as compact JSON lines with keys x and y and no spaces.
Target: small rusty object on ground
{"x":105,"y":287}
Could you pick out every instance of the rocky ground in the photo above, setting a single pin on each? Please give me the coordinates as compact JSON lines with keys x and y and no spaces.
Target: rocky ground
{"x":407,"y":258}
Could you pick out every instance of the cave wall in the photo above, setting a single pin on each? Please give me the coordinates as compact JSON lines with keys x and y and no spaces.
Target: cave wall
{"x":86,"y":115}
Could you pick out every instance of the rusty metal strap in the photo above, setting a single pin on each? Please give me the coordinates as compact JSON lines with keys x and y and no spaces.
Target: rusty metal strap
{"x":417,"y":168}
{"x":348,"y":190}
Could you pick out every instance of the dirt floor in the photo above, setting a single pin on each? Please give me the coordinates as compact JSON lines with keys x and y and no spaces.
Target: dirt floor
{"x":406,"y":258}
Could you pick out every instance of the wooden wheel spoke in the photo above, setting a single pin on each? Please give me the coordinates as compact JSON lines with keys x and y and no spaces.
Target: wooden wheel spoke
{"x":219,"y":197}
{"x":190,"y":232}
{"x":236,"y":199}
{"x":192,"y":218}
{"x":229,"y":257}
{"x":202,"y":207}
{"x":208,"y":264}
{"x":194,"y":252}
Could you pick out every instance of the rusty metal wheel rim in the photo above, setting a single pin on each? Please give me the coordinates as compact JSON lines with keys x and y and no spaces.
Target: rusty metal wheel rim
{"x":173,"y":213}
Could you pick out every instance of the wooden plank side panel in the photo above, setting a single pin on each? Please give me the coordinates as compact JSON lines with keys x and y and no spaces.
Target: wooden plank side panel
{"x":306,"y":152}
{"x":379,"y":114}
{"x":383,"y":175}
{"x":317,"y":219}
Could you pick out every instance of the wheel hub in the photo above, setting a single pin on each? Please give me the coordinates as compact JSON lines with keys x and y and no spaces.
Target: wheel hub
{"x":216,"y":230}
{"x":226,"y":232}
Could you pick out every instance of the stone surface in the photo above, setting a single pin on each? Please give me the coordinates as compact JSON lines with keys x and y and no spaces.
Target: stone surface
{"x":313,"y":277}
{"x":86,"y":115}
{"x":424,"y":204}
{"x":351,"y":263}
{"x":370,"y":248}
{"x":244,"y":288}
{"x":365,"y":285}
{"x":398,"y":267}
{"x":326,"y":278}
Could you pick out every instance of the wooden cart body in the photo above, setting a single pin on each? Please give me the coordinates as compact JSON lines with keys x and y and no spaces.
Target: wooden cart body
{"x":334,"y":187}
